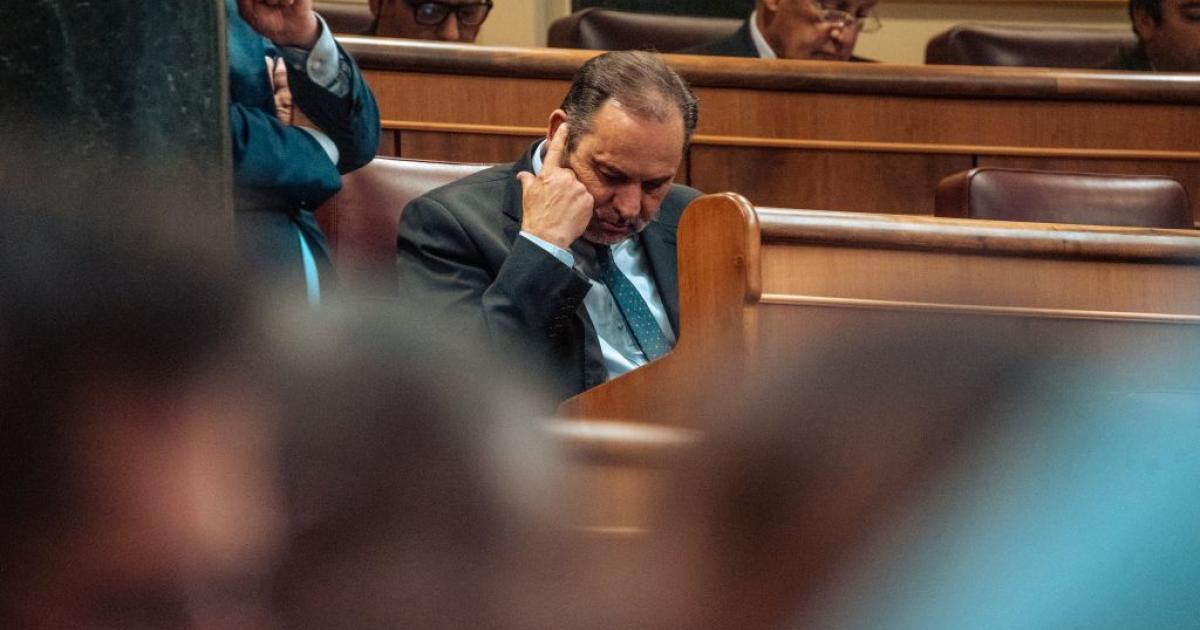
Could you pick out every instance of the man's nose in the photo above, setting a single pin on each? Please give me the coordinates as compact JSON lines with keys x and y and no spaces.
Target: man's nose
{"x":844,"y":34}
{"x":449,"y":30}
{"x":628,"y":201}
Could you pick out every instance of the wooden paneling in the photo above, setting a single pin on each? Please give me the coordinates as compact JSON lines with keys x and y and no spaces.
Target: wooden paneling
{"x":864,"y":137}
{"x":829,"y":180}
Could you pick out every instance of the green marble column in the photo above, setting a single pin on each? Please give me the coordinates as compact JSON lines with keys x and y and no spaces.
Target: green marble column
{"x":116,"y":106}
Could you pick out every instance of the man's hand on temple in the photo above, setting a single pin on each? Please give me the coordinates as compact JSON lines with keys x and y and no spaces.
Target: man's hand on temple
{"x":285,"y":22}
{"x":557,"y":206}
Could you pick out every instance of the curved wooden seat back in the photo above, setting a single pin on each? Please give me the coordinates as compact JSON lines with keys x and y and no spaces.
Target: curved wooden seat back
{"x":601,"y":29}
{"x":1028,"y":46}
{"x":361,"y":220}
{"x":1056,"y":197}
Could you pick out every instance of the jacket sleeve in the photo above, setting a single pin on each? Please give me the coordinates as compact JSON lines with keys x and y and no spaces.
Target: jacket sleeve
{"x":279,"y":161}
{"x":351,"y":121}
{"x":527,"y":306}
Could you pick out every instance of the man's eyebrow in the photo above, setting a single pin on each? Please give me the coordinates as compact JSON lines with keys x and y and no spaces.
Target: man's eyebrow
{"x":609,"y":168}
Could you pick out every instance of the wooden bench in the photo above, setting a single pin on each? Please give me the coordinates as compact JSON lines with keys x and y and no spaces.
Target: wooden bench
{"x":761,"y":281}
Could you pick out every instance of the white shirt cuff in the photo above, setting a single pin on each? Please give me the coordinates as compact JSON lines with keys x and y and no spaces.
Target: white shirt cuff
{"x":563,"y":256}
{"x":326,"y":143}
{"x":322,"y":64}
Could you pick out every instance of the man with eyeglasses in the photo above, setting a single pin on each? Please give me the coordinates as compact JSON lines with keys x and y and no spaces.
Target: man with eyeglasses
{"x":1168,"y":33}
{"x":442,"y":20}
{"x":798,"y":29}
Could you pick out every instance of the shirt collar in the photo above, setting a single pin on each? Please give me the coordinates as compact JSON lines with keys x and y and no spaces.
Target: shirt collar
{"x":537,"y":158}
{"x":760,"y":42}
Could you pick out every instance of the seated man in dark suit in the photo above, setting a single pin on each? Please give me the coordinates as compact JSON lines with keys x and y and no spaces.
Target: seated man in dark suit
{"x":798,"y":29}
{"x":1168,"y":34}
{"x":283,"y":171}
{"x":566,"y":259}
{"x":443,"y":20}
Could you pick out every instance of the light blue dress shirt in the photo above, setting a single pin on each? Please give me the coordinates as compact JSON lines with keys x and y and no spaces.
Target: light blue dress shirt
{"x":619,"y":347}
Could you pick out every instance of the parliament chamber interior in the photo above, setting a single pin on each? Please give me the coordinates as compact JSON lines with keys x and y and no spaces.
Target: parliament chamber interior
{"x":290,"y":344}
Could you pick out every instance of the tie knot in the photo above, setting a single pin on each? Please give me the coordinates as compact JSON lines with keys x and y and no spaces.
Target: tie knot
{"x":603,"y":254}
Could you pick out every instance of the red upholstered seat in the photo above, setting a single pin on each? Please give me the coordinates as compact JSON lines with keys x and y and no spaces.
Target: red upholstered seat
{"x":1030,"y":46}
{"x":601,"y":29}
{"x":1055,"y":197}
{"x":361,"y":221}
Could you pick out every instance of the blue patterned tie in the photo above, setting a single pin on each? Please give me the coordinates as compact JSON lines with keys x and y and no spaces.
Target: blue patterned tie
{"x":645,"y":328}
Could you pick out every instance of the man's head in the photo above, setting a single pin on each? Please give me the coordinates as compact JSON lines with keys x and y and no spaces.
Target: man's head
{"x":136,"y":446}
{"x":630,"y":119}
{"x":815,"y":29}
{"x":1169,"y":33}
{"x":443,"y":20}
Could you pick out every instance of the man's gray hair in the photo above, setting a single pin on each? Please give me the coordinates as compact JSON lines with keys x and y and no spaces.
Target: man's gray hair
{"x":639,"y":80}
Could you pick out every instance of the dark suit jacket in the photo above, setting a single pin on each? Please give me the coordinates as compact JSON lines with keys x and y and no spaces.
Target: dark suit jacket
{"x":460,"y":254}
{"x":280,"y":172}
{"x":1129,"y":59}
{"x":740,"y":44}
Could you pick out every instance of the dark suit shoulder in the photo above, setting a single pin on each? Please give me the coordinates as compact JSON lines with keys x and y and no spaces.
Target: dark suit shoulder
{"x":487,"y":183}
{"x":675,"y":202}
{"x":740,"y":44}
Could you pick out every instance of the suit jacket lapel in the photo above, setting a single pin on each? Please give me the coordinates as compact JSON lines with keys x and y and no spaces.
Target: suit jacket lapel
{"x":513,"y":208}
{"x":658,"y":239}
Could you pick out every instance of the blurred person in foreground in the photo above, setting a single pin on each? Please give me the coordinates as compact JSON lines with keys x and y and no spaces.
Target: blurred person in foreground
{"x":136,"y":435}
{"x":440,"y":20}
{"x":824,"y":30}
{"x":1168,"y":33}
{"x":421,"y":490}
{"x":565,"y":259}
{"x":942,"y":475}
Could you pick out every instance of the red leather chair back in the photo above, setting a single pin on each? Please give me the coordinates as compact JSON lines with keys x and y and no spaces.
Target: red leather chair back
{"x":1053,"y":197}
{"x":1030,"y":46}
{"x":602,"y":29}
{"x":361,"y":221}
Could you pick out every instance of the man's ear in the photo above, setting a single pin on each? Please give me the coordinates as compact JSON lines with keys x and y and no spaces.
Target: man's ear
{"x":769,"y":6}
{"x":1144,"y":25}
{"x":557,"y":117}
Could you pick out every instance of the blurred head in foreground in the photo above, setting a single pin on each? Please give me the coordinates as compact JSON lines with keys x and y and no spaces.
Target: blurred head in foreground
{"x":420,"y":489}
{"x":136,"y":441}
{"x":940,"y":476}
{"x":441,"y":20}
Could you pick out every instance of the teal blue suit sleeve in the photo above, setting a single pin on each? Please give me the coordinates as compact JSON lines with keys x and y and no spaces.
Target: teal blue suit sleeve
{"x":278,"y":160}
{"x":352,"y":121}
{"x":280,"y":166}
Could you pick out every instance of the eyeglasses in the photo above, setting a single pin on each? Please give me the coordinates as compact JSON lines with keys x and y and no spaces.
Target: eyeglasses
{"x":844,"y":20}
{"x":433,"y":12}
